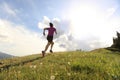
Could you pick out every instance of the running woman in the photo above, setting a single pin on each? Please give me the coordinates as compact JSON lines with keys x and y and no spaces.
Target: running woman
{"x":51,"y":30}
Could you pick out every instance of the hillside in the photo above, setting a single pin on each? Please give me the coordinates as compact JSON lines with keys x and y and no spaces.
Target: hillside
{"x":4,"y":55}
{"x":100,"y":64}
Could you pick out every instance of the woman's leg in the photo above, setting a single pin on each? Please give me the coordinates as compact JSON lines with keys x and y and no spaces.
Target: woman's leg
{"x":48,"y":44}
{"x":52,"y":43}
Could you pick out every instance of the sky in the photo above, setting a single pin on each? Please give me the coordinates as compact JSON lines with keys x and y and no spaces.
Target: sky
{"x":81,"y":24}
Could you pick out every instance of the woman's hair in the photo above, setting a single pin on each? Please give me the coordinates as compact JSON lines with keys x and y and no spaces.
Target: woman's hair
{"x":51,"y":24}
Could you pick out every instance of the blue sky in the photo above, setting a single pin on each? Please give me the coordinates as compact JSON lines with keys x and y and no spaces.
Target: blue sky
{"x":30,"y":12}
{"x":81,"y":24}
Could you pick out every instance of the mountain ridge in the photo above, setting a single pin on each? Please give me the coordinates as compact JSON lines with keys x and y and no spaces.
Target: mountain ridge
{"x":5,"y":55}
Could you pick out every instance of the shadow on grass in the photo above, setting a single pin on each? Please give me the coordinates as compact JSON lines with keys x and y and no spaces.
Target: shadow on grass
{"x":81,"y":69}
{"x":116,"y":50}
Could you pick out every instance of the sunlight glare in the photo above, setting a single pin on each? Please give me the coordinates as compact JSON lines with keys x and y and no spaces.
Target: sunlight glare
{"x":84,"y":20}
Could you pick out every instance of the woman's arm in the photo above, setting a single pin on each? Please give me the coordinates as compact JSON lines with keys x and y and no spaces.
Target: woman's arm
{"x":55,"y":31}
{"x":44,"y":31}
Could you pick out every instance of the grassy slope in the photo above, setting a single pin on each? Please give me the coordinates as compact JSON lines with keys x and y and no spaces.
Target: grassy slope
{"x":99,"y":64}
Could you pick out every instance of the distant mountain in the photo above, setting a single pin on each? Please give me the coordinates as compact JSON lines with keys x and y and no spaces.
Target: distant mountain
{"x":4,"y":55}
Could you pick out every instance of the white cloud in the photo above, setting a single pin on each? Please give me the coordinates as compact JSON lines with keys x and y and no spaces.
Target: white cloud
{"x":60,"y":37}
{"x":44,"y":23}
{"x":111,"y":11}
{"x":86,"y":27}
{"x":56,"y":22}
{"x":17,"y":40}
{"x":90,"y":27}
{"x":8,"y":9}
{"x":90,"y":40}
{"x":20,"y":41}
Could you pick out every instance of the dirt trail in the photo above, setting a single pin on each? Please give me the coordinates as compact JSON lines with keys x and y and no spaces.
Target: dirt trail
{"x":6,"y":67}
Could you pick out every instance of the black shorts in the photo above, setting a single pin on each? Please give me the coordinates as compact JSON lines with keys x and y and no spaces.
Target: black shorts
{"x":50,"y":38}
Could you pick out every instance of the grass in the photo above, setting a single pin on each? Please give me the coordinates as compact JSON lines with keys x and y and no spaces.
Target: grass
{"x":98,"y":64}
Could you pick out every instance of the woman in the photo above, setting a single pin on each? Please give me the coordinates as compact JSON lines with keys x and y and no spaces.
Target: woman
{"x":51,"y":30}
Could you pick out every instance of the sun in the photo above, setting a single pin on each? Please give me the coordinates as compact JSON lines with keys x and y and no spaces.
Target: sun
{"x":83,"y":18}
